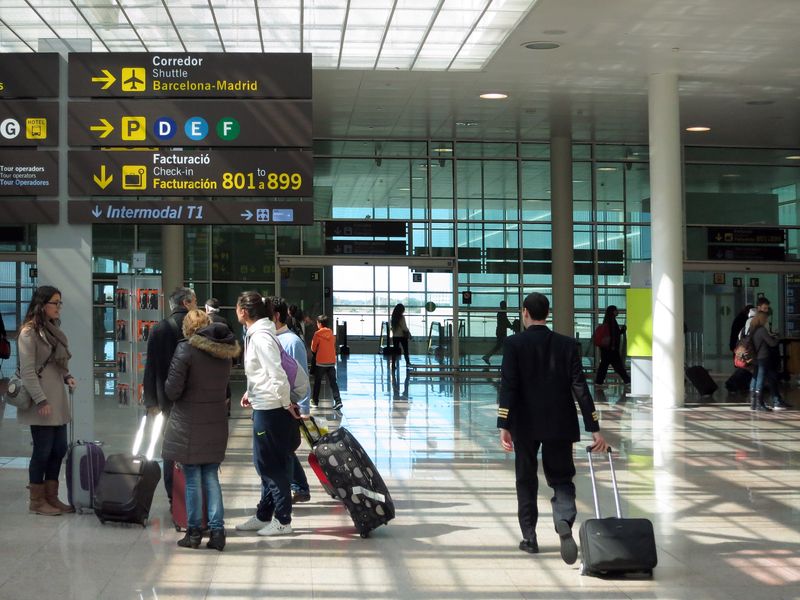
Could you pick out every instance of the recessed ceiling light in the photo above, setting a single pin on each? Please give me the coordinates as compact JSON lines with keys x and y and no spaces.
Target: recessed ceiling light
{"x":760,"y":102}
{"x":554,"y":31}
{"x":606,"y":168}
{"x":541,"y":45}
{"x":578,"y":181}
{"x":698,"y":129}
{"x":731,"y":175}
{"x":442,"y":149}
{"x":467,"y":123}
{"x":792,"y":157}
{"x":494,"y":96}
{"x":403,"y":189}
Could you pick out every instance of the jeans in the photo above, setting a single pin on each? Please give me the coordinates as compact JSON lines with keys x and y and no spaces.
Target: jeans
{"x":400,"y":344}
{"x":299,"y":479}
{"x":206,"y":476}
{"x":49,"y":450}
{"x":274,"y":433}
{"x":766,"y":373}
{"x":330,"y":373}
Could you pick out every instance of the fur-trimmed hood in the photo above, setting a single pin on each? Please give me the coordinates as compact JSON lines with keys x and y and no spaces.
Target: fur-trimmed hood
{"x":217,"y":340}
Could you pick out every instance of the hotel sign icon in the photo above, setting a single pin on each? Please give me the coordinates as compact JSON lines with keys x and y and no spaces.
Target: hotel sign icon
{"x":133,"y":79}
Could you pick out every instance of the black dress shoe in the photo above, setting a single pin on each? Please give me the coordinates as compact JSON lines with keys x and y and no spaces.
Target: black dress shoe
{"x":529,"y":546}
{"x":569,"y":549}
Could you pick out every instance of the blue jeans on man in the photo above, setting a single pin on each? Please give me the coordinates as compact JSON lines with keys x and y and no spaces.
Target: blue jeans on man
{"x":203,"y":479}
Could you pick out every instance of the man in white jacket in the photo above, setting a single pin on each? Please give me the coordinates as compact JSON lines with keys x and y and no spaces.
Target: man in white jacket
{"x":275,"y":429}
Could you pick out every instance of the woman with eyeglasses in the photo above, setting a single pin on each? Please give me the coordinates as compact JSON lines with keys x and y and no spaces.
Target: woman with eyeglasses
{"x":44,"y":368}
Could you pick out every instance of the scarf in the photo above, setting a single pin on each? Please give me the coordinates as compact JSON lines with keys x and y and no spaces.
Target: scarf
{"x":56,"y":338}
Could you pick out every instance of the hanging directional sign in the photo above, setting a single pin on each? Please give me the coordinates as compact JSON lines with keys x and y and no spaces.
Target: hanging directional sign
{"x":28,"y":123}
{"x":272,"y":173}
{"x":746,"y":235}
{"x":30,"y":211}
{"x":271,"y":123}
{"x":190,"y":75}
{"x":365,"y":229}
{"x":365,"y":247}
{"x":196,"y":212}
{"x":29,"y":75}
{"x":28,"y":173}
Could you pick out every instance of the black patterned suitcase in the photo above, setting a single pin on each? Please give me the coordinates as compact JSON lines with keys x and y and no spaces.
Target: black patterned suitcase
{"x":354,"y":480}
{"x":615,"y":545}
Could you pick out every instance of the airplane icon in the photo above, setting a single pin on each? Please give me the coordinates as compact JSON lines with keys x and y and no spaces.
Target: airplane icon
{"x":133,"y":79}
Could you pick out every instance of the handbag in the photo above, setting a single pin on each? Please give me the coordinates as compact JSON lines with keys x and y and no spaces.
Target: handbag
{"x":17,"y":394}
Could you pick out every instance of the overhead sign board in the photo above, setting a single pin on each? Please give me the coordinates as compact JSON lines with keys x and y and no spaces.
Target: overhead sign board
{"x":29,"y":75}
{"x":272,"y":173}
{"x":745,"y":253}
{"x":28,"y":123}
{"x":28,"y":211}
{"x":745,"y":235}
{"x":28,"y":173}
{"x":190,"y":123}
{"x":368,"y":228}
{"x":196,"y":212}
{"x":190,"y":75}
{"x":395,"y":248}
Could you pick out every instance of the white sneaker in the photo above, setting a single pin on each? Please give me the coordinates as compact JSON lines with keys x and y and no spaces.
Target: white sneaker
{"x":252,"y":524}
{"x":275,"y":527}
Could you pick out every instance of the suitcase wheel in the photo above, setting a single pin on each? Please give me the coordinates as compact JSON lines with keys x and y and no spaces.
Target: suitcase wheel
{"x":364,"y":534}
{"x":584,"y":570}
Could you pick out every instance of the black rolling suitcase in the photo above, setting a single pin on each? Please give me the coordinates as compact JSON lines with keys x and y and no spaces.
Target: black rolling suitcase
{"x":615,"y":545}
{"x":128,"y":483}
{"x":353,"y":479}
{"x":739,"y":381}
{"x":701,"y":380}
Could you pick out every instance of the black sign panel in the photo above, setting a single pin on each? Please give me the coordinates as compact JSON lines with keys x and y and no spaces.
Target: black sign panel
{"x":272,"y":173}
{"x":745,"y":253}
{"x":28,"y":123}
{"x":189,"y":75}
{"x":28,"y":173}
{"x":28,"y":211}
{"x":395,"y":248}
{"x":268,"y":123}
{"x":365,"y":229}
{"x":745,"y":235}
{"x":29,"y":75}
{"x":197,"y":212}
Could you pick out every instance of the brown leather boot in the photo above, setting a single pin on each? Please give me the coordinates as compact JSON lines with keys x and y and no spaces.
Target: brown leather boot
{"x":38,"y":503}
{"x":51,"y":495}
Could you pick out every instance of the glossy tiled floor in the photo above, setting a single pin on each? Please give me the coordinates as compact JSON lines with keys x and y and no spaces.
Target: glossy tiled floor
{"x":719,"y":482}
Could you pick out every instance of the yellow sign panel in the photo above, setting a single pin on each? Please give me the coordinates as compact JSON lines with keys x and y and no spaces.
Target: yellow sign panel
{"x":134,"y":177}
{"x":36,"y":129}
{"x":134,"y":128}
{"x":639,"y":319}
{"x":133,"y":79}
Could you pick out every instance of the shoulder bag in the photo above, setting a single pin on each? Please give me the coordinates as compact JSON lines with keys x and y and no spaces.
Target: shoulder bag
{"x":16,"y":394}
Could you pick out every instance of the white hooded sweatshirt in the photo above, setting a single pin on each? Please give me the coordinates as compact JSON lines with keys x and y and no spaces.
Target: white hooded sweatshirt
{"x":267,"y":383}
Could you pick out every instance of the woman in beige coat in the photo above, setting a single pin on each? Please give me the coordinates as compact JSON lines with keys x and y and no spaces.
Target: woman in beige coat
{"x":43,"y":363}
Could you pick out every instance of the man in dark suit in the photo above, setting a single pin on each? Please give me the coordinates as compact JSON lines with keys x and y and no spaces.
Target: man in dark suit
{"x":541,"y":379}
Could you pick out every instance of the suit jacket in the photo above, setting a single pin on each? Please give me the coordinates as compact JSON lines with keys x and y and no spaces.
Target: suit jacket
{"x":160,"y":347}
{"x":541,"y":379}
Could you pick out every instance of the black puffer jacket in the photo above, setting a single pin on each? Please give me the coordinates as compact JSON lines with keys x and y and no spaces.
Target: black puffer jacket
{"x":197,"y":430}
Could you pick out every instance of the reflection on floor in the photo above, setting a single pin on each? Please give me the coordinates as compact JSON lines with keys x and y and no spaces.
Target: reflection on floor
{"x":720,"y":482}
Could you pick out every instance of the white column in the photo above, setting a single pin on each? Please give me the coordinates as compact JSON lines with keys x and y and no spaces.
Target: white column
{"x":563,"y":264}
{"x":64,"y":260}
{"x":667,"y":235}
{"x":172,"y":275}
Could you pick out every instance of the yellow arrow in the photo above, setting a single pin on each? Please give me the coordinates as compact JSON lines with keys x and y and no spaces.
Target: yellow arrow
{"x":102,"y":181}
{"x":105,"y":128}
{"x":109,"y":79}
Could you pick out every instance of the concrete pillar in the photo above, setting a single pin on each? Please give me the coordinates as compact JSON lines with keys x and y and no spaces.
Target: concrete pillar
{"x":667,"y":236}
{"x":64,"y":260}
{"x":172,"y":274}
{"x":562,"y":241}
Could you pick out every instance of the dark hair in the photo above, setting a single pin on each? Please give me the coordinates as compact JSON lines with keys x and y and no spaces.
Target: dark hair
{"x":35,"y":315}
{"x":397,"y":312}
{"x":179,"y":296}
{"x":609,"y":316}
{"x":213,"y":303}
{"x":503,"y":304}
{"x":747,"y":308}
{"x":323,"y":320}
{"x":255,"y":305}
{"x":280,"y":308}
{"x":761,"y":301}
{"x":537,"y":306}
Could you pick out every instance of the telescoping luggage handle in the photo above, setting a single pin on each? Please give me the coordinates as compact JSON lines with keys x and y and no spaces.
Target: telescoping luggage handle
{"x":594,"y":483}
{"x":155,"y":431}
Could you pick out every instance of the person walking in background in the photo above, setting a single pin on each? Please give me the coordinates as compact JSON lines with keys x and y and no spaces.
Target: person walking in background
{"x":541,"y":377}
{"x":400,"y":334}
{"x":44,"y":368}
{"x":160,"y":347}
{"x":197,"y":430}
{"x":296,"y":348}
{"x":276,"y":434}
{"x":501,"y":331}
{"x":737,"y":327}
{"x":610,"y":347}
{"x":323,"y":346}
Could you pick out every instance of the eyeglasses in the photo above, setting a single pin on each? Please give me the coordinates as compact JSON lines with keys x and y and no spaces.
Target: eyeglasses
{"x":58,"y":304}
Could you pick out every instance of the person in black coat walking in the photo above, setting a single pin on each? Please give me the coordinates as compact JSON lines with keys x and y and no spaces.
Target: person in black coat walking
{"x":161,"y":346}
{"x":541,"y":377}
{"x":197,"y":431}
{"x":610,"y":352}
